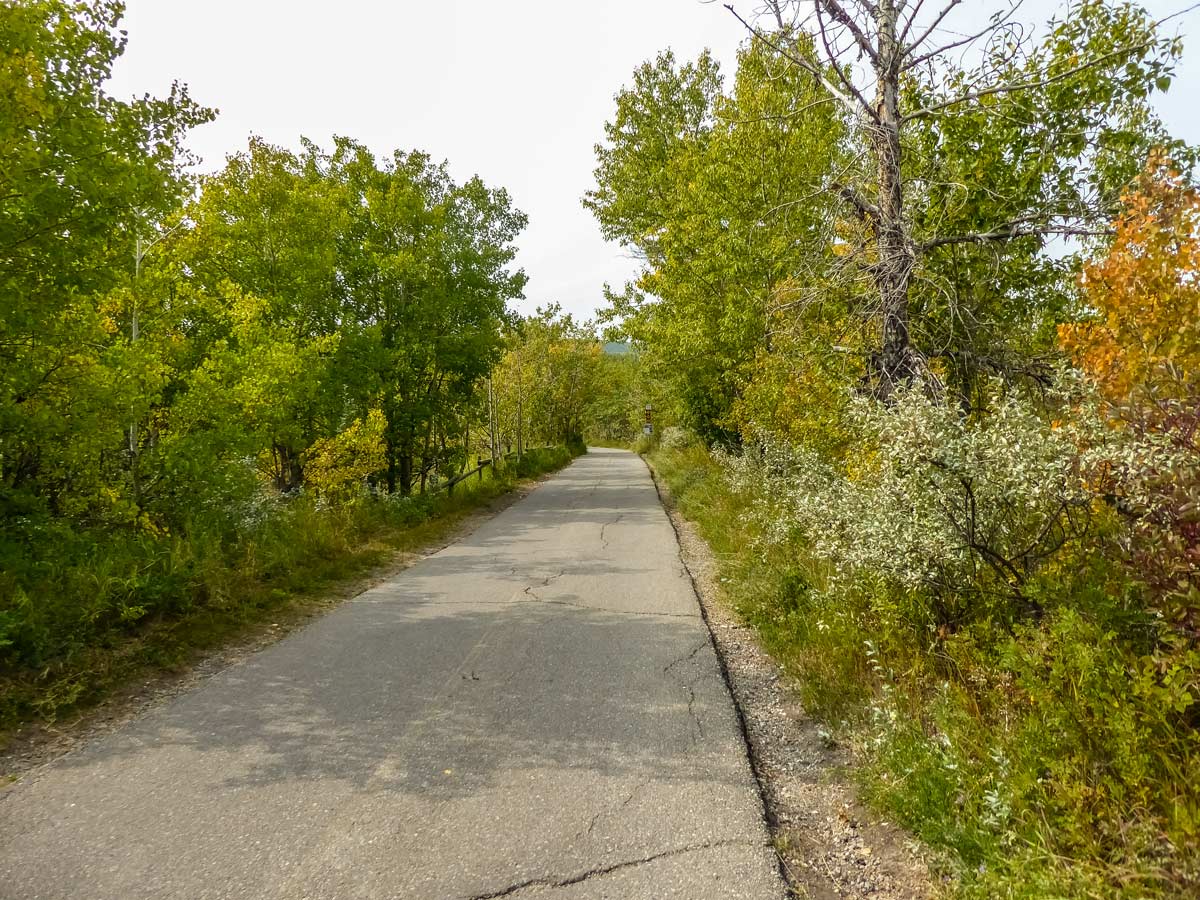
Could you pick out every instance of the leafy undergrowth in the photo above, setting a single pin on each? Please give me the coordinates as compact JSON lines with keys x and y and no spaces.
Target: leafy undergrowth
{"x":1045,"y":762}
{"x":96,"y":611}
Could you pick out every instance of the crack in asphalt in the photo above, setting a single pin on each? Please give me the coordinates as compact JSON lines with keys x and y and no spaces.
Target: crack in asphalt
{"x":690,"y":687}
{"x":576,"y":504}
{"x":604,"y":529}
{"x":601,"y":871}
{"x":529,"y":592}
{"x":544,"y":583}
{"x":687,"y":657}
{"x":637,"y":788}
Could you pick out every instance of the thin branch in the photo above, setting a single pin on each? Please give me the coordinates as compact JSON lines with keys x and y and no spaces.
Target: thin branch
{"x":832,"y":56}
{"x":937,"y":20}
{"x":778,"y":10}
{"x":803,"y":63}
{"x":1027,"y":85}
{"x":1011,"y":231}
{"x":838,"y":13}
{"x":995,"y":25}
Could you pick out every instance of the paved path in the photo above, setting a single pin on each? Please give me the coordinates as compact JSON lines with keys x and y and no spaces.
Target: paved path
{"x":535,"y":711}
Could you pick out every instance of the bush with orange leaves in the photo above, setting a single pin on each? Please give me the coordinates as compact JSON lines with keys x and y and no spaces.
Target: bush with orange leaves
{"x":1142,"y":349}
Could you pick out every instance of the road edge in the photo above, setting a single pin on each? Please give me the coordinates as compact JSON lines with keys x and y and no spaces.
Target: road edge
{"x":765,"y":807}
{"x":829,"y":844}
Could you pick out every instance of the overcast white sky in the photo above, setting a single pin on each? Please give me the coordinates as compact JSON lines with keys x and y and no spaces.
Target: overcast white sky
{"x":517,"y":92}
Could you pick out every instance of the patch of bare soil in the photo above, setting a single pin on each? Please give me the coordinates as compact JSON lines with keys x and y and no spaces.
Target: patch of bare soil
{"x":831,"y":846}
{"x":40,"y":743}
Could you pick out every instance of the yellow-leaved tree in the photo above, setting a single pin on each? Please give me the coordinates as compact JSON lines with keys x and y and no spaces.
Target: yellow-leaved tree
{"x":1144,"y":344}
{"x":1142,"y":348}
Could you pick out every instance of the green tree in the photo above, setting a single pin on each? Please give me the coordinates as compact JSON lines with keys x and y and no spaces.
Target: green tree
{"x":426,"y":283}
{"x":955,"y":166}
{"x":545,"y":385}
{"x":719,"y":193}
{"x":84,"y":177}
{"x":267,"y":226}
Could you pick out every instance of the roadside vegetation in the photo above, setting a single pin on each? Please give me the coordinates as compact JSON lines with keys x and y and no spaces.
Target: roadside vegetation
{"x":926,"y":318}
{"x":202,"y":591}
{"x":218,"y":392}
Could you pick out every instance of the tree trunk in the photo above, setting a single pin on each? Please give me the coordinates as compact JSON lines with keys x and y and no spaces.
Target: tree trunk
{"x":398,"y":447}
{"x":896,"y":364}
{"x":288,"y":472}
{"x":406,"y":473}
{"x":520,"y":411}
{"x":392,"y":468}
{"x":425,"y":454}
{"x":493,"y":442}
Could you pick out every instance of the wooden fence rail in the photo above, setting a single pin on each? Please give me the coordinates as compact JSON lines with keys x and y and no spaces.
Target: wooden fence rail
{"x":478,"y":470}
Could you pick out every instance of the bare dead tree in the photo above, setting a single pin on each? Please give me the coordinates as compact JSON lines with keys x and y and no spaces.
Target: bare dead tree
{"x":869,"y":49}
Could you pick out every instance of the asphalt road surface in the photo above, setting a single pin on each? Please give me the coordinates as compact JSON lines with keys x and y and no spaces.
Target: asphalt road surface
{"x":534,"y":711}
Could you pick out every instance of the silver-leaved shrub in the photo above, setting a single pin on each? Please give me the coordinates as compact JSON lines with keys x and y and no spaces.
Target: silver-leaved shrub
{"x":961,"y":509}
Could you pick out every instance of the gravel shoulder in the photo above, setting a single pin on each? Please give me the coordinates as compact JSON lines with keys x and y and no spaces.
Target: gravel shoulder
{"x":830,"y":844}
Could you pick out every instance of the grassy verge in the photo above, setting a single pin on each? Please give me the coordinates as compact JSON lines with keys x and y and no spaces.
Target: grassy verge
{"x":191,"y":594}
{"x":760,"y":584}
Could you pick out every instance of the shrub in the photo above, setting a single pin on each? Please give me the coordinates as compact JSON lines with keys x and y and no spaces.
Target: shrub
{"x":675,"y":438}
{"x":1142,"y":349}
{"x":338,"y":467}
{"x":956,"y":515}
